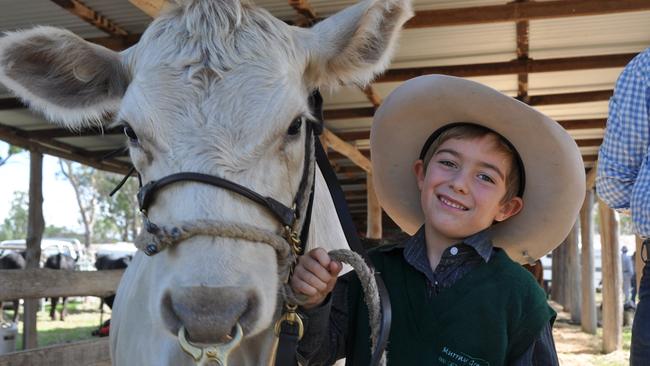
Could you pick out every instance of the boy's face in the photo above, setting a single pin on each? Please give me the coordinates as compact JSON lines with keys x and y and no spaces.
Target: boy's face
{"x":462,"y":188}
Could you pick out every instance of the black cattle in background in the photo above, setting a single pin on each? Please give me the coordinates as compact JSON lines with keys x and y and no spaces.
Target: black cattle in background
{"x":12,"y":260}
{"x":108,"y":261}
{"x":66,"y":263}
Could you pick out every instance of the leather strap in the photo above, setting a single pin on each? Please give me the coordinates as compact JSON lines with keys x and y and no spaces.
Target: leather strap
{"x":355,"y":244}
{"x":287,"y":345}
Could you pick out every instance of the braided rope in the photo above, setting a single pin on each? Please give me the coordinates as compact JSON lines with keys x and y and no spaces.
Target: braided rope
{"x":163,"y":238}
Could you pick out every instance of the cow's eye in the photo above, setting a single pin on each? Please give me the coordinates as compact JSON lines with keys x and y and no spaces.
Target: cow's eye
{"x":295,"y":126}
{"x":128,"y":131}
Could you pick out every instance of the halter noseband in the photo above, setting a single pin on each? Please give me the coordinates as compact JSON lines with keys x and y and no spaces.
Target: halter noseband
{"x":287,"y":216}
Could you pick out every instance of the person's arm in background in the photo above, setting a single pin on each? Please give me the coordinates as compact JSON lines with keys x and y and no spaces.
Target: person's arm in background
{"x":627,"y":136}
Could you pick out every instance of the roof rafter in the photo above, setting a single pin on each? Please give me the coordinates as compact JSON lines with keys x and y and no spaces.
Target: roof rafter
{"x":97,"y":20}
{"x":19,"y":138}
{"x":519,"y":11}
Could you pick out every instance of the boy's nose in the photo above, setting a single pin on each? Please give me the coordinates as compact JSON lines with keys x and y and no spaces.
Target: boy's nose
{"x":459,"y":183}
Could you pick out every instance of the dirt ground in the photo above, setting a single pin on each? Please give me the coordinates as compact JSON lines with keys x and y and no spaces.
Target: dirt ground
{"x":576,"y":348}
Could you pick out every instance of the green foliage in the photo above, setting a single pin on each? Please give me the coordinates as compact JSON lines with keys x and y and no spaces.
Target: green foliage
{"x":119,"y":218}
{"x":11,"y":150}
{"x":15,"y":224}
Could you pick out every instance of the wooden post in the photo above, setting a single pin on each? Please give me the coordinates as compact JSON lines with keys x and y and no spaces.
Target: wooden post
{"x":558,"y":278}
{"x":374,"y":229}
{"x":35,"y":228}
{"x":588,"y":304}
{"x":612,"y":279}
{"x":573,"y":274}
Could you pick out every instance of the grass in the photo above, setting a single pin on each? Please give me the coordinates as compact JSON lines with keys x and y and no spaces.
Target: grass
{"x":83,"y":318}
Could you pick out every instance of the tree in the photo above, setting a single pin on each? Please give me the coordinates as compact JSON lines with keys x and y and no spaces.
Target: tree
{"x":83,"y":180}
{"x":105,"y":218}
{"x":119,"y":213}
{"x":15,"y":225}
{"x":11,"y":151}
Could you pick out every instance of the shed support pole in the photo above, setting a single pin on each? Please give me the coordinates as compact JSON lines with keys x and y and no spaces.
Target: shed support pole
{"x":35,"y":228}
{"x":588,"y":307}
{"x":612,"y":280}
{"x":374,"y":230}
{"x":573,"y":278}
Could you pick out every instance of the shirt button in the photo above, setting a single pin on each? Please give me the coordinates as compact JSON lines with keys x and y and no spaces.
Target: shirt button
{"x":453,"y":250}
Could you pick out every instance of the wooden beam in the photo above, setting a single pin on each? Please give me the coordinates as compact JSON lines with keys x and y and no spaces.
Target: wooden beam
{"x":573,"y":299}
{"x":612,"y":279}
{"x":568,"y":98}
{"x":373,"y":226}
{"x":372,"y":96}
{"x":149,"y":7}
{"x":512,"y":67}
{"x":18,"y":137}
{"x":116,"y":43}
{"x":303,"y":8}
{"x":11,"y":103}
{"x":91,"y":352}
{"x":538,"y":100}
{"x":347,"y":150}
{"x":92,"y":17}
{"x":588,"y":315}
{"x":575,"y":124}
{"x":523,"y":41}
{"x":516,"y":11}
{"x":42,"y":282}
{"x":584,"y":124}
{"x":591,"y":176}
{"x":64,"y":132}
{"x":35,"y":227}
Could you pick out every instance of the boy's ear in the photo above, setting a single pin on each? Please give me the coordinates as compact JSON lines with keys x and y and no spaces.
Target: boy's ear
{"x":510,"y":209}
{"x":420,"y":172}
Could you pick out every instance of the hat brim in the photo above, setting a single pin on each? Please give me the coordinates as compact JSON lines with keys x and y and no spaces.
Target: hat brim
{"x":554,"y":170}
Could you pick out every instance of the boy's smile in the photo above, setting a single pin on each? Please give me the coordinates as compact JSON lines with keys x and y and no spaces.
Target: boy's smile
{"x":463,"y":188}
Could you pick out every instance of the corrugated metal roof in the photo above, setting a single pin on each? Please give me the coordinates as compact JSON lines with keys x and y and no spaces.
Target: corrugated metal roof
{"x":590,"y":35}
{"x":28,"y":13}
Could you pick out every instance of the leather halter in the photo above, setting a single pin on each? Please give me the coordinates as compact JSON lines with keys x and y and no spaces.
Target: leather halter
{"x":287,"y":216}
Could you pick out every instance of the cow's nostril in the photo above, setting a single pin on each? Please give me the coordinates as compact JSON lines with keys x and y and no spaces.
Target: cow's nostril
{"x":209,"y":314}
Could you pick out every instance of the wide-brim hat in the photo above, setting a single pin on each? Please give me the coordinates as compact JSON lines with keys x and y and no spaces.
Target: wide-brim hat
{"x":554,"y":171}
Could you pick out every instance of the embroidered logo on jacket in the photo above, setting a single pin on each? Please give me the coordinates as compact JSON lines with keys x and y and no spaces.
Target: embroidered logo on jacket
{"x":451,"y":358}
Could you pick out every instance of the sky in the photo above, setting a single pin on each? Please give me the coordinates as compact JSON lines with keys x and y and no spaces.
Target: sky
{"x":59,"y":202}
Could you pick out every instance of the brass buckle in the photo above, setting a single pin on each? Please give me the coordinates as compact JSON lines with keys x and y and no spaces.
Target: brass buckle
{"x":290,"y":316}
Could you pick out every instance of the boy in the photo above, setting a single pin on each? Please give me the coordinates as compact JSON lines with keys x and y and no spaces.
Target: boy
{"x":490,"y":170}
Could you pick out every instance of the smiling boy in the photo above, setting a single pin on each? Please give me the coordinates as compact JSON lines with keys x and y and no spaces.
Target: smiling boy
{"x":472,"y":174}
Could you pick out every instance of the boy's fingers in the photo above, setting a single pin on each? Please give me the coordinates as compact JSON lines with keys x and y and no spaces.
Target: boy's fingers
{"x":303,"y":288}
{"x":334,"y":268}
{"x":321,"y":256}
{"x":309,"y":278}
{"x":316,"y":269}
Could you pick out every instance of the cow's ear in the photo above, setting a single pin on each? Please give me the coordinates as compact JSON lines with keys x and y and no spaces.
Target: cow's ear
{"x":355,"y":44}
{"x":67,"y":78}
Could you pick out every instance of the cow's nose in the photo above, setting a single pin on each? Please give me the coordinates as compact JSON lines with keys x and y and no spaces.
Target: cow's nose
{"x":209,"y":314}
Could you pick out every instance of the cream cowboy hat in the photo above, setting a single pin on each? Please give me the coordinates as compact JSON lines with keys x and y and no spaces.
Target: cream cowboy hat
{"x":554,"y":171}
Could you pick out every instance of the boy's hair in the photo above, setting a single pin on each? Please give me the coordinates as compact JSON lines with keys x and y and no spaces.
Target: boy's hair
{"x":469,"y":131}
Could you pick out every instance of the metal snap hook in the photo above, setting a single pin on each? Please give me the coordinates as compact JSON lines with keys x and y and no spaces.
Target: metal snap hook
{"x":218,"y":353}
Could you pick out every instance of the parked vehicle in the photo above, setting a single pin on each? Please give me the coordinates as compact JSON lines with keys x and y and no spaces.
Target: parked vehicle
{"x":49,"y":247}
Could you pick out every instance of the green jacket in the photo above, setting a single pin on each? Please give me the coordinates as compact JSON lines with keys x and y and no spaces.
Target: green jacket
{"x":489,"y":317}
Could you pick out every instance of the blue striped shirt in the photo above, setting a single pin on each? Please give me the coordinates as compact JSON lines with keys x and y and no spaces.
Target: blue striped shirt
{"x":623,"y":177}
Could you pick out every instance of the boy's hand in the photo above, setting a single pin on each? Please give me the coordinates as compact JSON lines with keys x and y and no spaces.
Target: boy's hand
{"x":315,"y":276}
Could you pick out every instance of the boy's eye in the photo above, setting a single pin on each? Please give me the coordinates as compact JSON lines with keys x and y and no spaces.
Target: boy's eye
{"x":447,"y":163}
{"x":486,"y":178}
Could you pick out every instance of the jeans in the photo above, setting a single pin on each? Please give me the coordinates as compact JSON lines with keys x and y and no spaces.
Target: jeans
{"x":640,"y":349}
